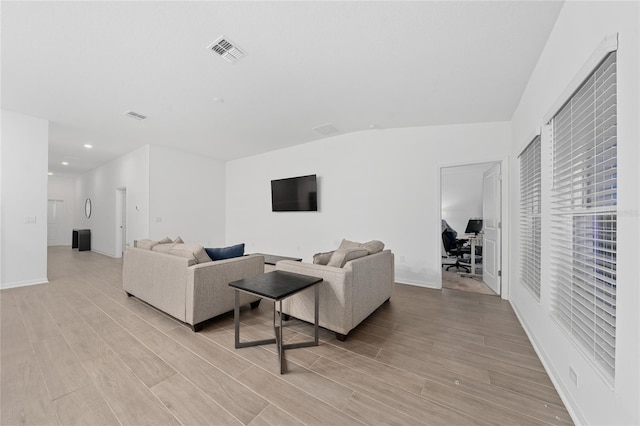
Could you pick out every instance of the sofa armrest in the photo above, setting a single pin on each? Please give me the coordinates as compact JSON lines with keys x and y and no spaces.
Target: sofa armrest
{"x":208,"y":293}
{"x":373,"y":282}
{"x":157,"y":278}
{"x":336,"y":295}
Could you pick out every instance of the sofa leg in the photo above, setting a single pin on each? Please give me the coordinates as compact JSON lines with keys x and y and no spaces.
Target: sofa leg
{"x":341,"y":337}
{"x":255,"y":304}
{"x":128,"y":294}
{"x":197,"y":327}
{"x":286,"y":317}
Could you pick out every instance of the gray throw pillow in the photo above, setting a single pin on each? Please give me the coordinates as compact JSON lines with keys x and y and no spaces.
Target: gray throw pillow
{"x":346,"y":244}
{"x":146,"y":244}
{"x":341,"y":256}
{"x":178,"y":241}
{"x":190,"y":251}
{"x":374,"y":246}
{"x":322,"y":258}
{"x":162,"y":248}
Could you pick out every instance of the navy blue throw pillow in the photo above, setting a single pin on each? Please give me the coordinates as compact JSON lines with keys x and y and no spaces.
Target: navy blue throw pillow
{"x":225,"y":252}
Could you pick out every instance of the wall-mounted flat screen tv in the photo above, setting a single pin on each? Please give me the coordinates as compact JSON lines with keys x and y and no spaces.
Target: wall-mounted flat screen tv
{"x":296,"y":194}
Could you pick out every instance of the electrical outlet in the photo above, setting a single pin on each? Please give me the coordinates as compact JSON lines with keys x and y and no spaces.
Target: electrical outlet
{"x":30,"y":220}
{"x":158,"y":219}
{"x":573,"y":376}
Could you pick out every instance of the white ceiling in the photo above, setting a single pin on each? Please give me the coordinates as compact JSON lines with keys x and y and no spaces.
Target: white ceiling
{"x":81,"y":65}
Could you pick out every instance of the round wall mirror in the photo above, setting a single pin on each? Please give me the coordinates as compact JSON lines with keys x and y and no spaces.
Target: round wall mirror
{"x":87,"y":208}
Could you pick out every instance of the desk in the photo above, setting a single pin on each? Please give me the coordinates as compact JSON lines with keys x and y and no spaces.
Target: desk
{"x":275,"y":286}
{"x":474,"y":240}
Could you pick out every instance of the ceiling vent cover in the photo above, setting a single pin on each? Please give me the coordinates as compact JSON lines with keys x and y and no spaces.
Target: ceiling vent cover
{"x":135,"y":115}
{"x":325,"y":129}
{"x":228,"y":50}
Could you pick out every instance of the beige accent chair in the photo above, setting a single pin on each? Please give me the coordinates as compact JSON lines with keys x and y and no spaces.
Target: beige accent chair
{"x":191,"y":293}
{"x":348,"y":294}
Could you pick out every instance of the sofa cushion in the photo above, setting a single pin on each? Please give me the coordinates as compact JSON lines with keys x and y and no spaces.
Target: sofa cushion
{"x":226,"y":252}
{"x":146,"y":244}
{"x":341,"y":256}
{"x":190,"y":251}
{"x":322,"y":258}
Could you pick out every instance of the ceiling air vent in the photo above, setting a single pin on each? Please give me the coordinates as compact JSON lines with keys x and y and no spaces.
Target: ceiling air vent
{"x":135,"y":115}
{"x":325,"y":129}
{"x":225,"y":48}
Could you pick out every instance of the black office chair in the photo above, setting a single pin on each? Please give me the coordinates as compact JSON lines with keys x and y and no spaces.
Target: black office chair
{"x":455,"y":248}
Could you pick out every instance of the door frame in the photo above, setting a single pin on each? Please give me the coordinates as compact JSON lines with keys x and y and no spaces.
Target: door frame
{"x":504,"y":212}
{"x":118,"y":229}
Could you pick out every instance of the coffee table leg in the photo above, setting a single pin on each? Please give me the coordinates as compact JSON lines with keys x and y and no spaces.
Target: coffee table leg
{"x":316,"y":315}
{"x":279,"y":338}
{"x":236,"y":316}
{"x":236,"y":325}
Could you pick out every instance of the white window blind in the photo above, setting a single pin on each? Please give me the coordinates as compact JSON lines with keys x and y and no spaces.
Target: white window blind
{"x":584,"y":216}
{"x":531,"y":195}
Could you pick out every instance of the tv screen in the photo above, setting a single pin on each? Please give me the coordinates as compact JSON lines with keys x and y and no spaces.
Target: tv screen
{"x":296,"y":194}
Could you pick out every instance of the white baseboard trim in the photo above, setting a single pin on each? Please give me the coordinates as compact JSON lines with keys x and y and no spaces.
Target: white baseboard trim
{"x":417,"y":283}
{"x":569,"y":403}
{"x":105,"y":253}
{"x":26,"y":283}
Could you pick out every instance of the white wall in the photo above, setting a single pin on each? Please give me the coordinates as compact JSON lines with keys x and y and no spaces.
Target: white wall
{"x":377,"y":184}
{"x":462,"y":194}
{"x":64,"y":188}
{"x":186,"y":197}
{"x":130,"y":171}
{"x":25,"y":153}
{"x":580,"y":28}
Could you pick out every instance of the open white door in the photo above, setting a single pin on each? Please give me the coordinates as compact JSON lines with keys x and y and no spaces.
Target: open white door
{"x":492,"y":222}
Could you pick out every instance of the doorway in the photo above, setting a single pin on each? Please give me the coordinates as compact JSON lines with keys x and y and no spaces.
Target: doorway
{"x":56,"y":223}
{"x":471,"y":209}
{"x":121,"y":221}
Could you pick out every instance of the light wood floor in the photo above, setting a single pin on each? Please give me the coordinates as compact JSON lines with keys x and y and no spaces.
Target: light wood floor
{"x":455,"y":281}
{"x":79,"y":352}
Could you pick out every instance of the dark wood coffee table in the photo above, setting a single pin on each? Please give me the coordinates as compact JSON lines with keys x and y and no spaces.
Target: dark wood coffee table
{"x":272,"y":259}
{"x":275,"y":286}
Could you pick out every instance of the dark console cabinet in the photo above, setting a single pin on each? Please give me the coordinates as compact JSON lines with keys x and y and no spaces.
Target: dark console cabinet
{"x":81,"y":239}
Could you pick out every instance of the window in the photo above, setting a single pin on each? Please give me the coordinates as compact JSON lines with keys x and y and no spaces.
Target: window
{"x":584,"y":212}
{"x":530,"y":190}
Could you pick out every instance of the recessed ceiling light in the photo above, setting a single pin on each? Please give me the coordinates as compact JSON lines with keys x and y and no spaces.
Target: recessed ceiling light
{"x":65,"y":163}
{"x":218,"y":100}
{"x":88,"y":145}
{"x":50,"y":174}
